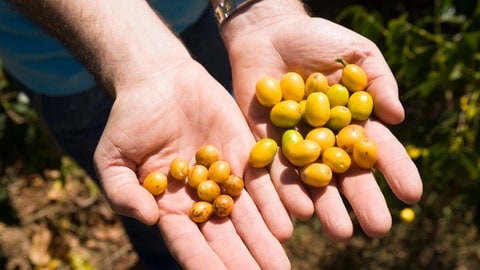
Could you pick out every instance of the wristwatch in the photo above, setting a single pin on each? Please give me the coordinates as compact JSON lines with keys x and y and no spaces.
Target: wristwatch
{"x":228,"y":8}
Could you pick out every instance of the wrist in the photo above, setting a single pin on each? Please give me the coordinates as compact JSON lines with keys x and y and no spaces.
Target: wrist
{"x":225,"y":9}
{"x":258,"y":14}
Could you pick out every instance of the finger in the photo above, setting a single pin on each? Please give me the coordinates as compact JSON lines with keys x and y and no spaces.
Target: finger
{"x":227,"y":244}
{"x":263,"y":193}
{"x":384,"y":89}
{"x":187,"y":244}
{"x":364,"y":195}
{"x":126,"y":196}
{"x":331,"y":212}
{"x":266,"y":249}
{"x":286,"y":179}
{"x":394,"y":163}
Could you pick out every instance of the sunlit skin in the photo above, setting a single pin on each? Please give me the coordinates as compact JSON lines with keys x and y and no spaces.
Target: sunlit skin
{"x":155,"y":118}
{"x":289,"y":47}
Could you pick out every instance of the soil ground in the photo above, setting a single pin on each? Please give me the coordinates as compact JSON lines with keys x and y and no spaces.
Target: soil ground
{"x":58,"y":219}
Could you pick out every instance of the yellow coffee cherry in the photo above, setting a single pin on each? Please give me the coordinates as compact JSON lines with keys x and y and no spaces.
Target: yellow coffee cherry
{"x":340,"y":117}
{"x":197,"y":174}
{"x":286,"y":114}
{"x":365,"y":153}
{"x":353,"y":76}
{"x":262,"y":153}
{"x":233,"y":186}
{"x":316,"y":175}
{"x":179,"y":168}
{"x":208,"y":190}
{"x":348,"y":135}
{"x":337,"y":159}
{"x":201,"y":211}
{"x":268,"y":91}
{"x":206,"y":155}
{"x":289,"y":138}
{"x":317,"y":109}
{"x":219,"y":171}
{"x":303,"y":152}
{"x":360,"y":105}
{"x":155,"y":183}
{"x":407,"y":215}
{"x":323,"y":136}
{"x":337,"y":95}
{"x":223,"y":205}
{"x":293,"y":86}
{"x":316,"y":82}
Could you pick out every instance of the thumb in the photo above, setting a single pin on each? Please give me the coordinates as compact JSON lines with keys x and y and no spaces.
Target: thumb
{"x":125,"y":194}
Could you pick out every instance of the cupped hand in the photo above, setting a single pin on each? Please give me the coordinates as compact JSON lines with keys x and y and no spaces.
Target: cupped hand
{"x":171,"y":114}
{"x":286,"y":39}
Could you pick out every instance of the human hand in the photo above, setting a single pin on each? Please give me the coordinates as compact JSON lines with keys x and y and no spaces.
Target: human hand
{"x":171,"y":114}
{"x":271,"y":39}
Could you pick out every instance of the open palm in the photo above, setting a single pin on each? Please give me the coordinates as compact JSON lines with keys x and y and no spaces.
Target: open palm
{"x":171,"y":114}
{"x":304,"y":44}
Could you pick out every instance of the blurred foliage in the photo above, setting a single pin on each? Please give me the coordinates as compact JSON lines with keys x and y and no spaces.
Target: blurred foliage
{"x":21,"y":137}
{"x":435,"y":56}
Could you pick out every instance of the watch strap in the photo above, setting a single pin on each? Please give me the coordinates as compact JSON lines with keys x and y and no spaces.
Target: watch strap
{"x":228,"y":8}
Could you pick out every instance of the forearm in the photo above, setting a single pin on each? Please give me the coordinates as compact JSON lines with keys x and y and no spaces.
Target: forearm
{"x":118,"y":41}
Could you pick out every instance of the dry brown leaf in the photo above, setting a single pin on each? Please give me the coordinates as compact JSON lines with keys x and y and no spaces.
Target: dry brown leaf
{"x":39,"y":250}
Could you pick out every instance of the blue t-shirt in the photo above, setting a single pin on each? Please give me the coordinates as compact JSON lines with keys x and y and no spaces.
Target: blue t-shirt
{"x":43,"y":65}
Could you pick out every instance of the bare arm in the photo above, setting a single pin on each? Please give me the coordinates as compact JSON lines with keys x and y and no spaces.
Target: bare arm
{"x":155,"y":117}
{"x":111,"y":38}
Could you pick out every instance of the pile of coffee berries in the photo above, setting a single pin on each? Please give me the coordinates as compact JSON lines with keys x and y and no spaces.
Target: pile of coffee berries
{"x":210,"y":176}
{"x":320,"y":122}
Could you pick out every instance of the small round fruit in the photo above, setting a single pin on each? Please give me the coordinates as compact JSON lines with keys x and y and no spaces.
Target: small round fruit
{"x":206,"y":155}
{"x":316,"y":82}
{"x":323,"y":136}
{"x":340,"y":117}
{"x":286,"y":114}
{"x":155,"y":183}
{"x":289,"y":138}
{"x":262,"y":153}
{"x":219,"y":171}
{"x":337,"y":159}
{"x":317,"y":109}
{"x":223,"y":205}
{"x":208,"y":190}
{"x":348,"y":135}
{"x":201,"y":211}
{"x":233,"y":186}
{"x":179,"y":168}
{"x":353,"y":76}
{"x":407,"y":215}
{"x":365,"y":153}
{"x":268,"y":91}
{"x":338,"y":95}
{"x":316,"y":174}
{"x":303,"y":152}
{"x":293,"y":86}
{"x":361,"y":105}
{"x":197,"y":174}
